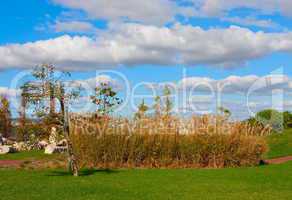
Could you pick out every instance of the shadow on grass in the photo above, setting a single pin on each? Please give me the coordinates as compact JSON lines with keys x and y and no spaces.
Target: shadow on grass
{"x":83,"y":172}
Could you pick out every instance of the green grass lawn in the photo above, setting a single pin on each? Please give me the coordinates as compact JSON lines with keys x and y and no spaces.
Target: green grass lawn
{"x":280,"y":144}
{"x":27,"y":155}
{"x":266,"y":182}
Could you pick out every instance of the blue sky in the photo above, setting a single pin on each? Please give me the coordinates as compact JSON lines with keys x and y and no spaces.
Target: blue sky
{"x":154,"y":42}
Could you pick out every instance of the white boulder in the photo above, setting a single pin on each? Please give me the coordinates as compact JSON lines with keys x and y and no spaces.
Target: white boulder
{"x":3,"y":140}
{"x":5,"y":149}
{"x":50,"y":149}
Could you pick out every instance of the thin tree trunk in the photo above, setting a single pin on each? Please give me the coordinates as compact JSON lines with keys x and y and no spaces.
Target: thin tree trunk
{"x":6,"y":126}
{"x":52,"y":99}
{"x":73,"y":166}
{"x":23,"y":111}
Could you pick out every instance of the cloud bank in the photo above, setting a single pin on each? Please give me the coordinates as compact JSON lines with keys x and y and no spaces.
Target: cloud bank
{"x":72,"y":27}
{"x":161,"y":12}
{"x":219,"y":7}
{"x":151,"y":11}
{"x":136,"y":44}
{"x":239,"y":84}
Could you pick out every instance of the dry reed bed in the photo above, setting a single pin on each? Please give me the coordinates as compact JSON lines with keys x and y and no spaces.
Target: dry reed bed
{"x":167,"y":142}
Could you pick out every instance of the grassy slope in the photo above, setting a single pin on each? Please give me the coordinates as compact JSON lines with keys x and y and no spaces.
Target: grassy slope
{"x":267,"y":182}
{"x":280,"y":144}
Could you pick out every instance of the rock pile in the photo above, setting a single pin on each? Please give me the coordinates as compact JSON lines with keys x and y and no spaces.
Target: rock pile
{"x":4,"y":149}
{"x":55,"y":145}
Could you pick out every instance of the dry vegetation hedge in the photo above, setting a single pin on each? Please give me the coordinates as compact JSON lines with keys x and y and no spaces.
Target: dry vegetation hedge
{"x":117,"y":148}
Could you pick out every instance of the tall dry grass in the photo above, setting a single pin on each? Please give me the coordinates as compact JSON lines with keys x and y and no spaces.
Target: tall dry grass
{"x":152,"y":142}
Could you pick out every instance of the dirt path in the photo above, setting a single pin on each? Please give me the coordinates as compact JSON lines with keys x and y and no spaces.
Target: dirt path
{"x":10,"y":163}
{"x":279,"y":160}
{"x":18,"y":163}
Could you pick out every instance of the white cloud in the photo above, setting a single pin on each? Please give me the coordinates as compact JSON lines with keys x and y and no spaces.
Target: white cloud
{"x":4,"y":91}
{"x":160,"y":12}
{"x":149,"y":11}
{"x":134,"y":44}
{"x":238,"y":84}
{"x":73,"y":26}
{"x":220,"y":7}
{"x":288,"y":104}
{"x":251,"y":21}
{"x":91,"y":83}
{"x":290,"y":84}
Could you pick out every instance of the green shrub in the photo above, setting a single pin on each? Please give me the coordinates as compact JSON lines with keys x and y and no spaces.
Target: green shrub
{"x":271,"y":117}
{"x":277,"y":120}
{"x":287,"y":119}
